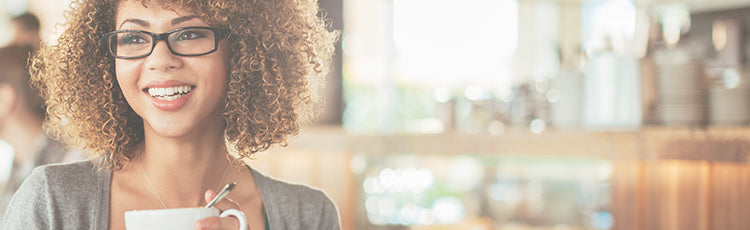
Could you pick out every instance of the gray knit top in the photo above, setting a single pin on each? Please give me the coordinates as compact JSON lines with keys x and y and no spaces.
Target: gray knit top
{"x":76,"y":196}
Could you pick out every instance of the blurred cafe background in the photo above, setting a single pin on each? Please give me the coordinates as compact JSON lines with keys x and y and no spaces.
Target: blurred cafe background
{"x":524,"y":114}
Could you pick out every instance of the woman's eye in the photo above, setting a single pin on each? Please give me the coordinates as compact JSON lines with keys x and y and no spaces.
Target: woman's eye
{"x":190,"y":35}
{"x":131,"y":39}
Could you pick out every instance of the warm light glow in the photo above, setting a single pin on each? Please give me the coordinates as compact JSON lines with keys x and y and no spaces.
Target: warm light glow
{"x":537,"y":126}
{"x":442,"y":95}
{"x":385,"y":193}
{"x":731,"y":78}
{"x":675,"y":20}
{"x":449,"y":210}
{"x":671,"y":35}
{"x":553,"y":95}
{"x":719,"y":35}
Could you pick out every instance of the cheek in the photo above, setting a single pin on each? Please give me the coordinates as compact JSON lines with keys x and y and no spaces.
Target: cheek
{"x":121,"y":67}
{"x":217,"y":77}
{"x":220,"y":67}
{"x":125,"y":78}
{"x":124,"y":70}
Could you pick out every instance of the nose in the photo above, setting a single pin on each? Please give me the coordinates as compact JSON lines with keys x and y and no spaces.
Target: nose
{"x":161,"y":59}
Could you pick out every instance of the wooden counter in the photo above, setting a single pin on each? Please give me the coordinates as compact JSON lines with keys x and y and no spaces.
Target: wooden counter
{"x":664,"y":178}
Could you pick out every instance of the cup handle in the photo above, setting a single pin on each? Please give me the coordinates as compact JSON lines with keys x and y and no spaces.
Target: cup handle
{"x":237,"y":214}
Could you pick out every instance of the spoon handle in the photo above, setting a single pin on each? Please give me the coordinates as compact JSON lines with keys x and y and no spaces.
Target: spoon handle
{"x":227,"y":188}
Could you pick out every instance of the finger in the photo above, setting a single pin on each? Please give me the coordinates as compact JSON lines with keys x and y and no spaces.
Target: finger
{"x":223,"y":204}
{"x":217,"y":223}
{"x":209,"y":195}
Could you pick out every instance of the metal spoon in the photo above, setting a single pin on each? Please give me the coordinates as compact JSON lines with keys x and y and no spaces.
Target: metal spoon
{"x":227,"y":188}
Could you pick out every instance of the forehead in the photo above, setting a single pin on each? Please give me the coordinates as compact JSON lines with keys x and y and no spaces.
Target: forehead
{"x":148,"y":10}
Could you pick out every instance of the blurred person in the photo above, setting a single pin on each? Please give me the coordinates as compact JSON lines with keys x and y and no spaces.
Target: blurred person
{"x":170,"y":97}
{"x":26,"y":29}
{"x":21,"y":117}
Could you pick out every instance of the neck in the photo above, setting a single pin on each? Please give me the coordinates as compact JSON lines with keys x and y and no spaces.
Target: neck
{"x":182,"y":169}
{"x":22,"y":133}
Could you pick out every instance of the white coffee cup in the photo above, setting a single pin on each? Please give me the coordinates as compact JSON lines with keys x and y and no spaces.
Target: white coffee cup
{"x":176,"y":219}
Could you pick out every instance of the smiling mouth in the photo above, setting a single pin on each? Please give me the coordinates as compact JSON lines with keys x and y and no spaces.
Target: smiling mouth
{"x":169,"y":93}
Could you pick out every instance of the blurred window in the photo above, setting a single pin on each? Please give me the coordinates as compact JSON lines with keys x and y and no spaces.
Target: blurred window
{"x":398,"y":52}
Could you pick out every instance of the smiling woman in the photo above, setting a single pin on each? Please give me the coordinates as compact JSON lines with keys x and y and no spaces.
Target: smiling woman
{"x":161,"y":92}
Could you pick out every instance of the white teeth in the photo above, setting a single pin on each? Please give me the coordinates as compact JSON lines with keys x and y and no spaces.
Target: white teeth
{"x":169,"y":93}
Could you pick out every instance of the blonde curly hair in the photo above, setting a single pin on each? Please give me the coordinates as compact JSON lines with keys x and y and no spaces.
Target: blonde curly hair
{"x":280,"y":50}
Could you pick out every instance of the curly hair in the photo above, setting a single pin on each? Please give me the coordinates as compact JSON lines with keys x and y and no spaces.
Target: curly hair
{"x":280,"y":51}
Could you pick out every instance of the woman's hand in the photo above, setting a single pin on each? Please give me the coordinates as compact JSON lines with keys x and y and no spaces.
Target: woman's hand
{"x":217,"y":223}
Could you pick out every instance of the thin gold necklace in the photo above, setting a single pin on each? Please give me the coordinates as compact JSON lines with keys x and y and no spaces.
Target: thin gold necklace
{"x":157,"y":193}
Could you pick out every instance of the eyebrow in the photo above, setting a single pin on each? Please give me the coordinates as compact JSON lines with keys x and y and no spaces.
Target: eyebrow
{"x":135,"y":21}
{"x":144,"y":23}
{"x":183,"y":19}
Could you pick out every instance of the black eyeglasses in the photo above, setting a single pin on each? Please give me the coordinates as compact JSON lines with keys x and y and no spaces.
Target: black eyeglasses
{"x":188,"y":41}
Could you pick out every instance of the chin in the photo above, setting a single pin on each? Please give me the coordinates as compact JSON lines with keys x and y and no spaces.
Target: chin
{"x":167,"y":129}
{"x":171,"y":132}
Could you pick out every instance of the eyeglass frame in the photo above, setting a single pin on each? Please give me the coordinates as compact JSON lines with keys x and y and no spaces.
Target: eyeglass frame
{"x":219,"y":34}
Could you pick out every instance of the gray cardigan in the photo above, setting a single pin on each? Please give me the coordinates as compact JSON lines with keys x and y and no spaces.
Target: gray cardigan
{"x":76,"y":196}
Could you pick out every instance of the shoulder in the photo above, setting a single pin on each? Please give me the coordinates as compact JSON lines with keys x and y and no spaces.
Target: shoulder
{"x":64,"y":177}
{"x":75,"y":187}
{"x":75,"y":168}
{"x":70,"y":177}
{"x":289,"y":192}
{"x":301,"y":206}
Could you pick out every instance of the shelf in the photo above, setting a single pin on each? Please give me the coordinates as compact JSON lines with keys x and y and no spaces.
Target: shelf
{"x":647,"y":143}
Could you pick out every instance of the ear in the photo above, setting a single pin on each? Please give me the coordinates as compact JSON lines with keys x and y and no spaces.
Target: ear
{"x":8,"y":100}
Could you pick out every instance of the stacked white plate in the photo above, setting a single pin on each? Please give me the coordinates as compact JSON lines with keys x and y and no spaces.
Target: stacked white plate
{"x":681,"y":88}
{"x":729,"y":99}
